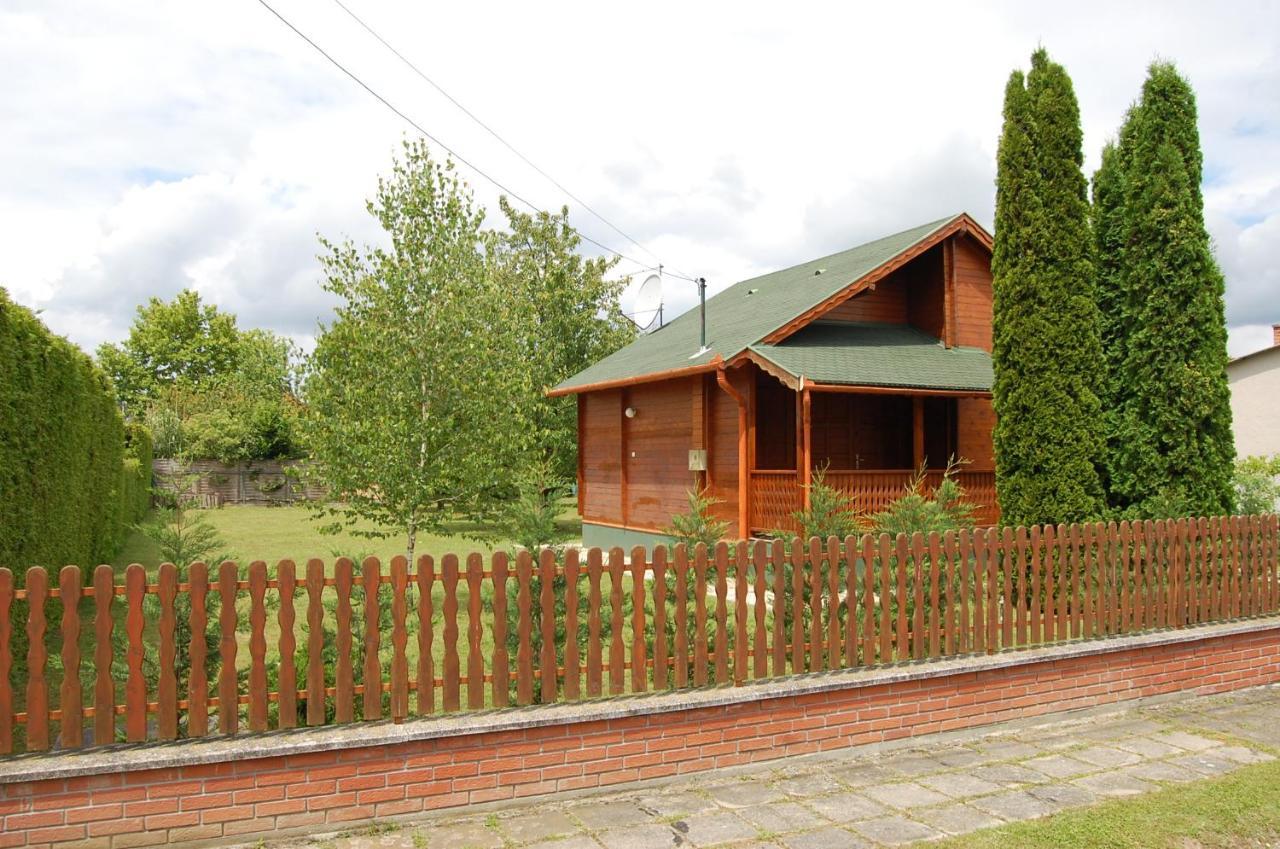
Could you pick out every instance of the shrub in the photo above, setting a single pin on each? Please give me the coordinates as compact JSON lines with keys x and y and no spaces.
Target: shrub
{"x":941,"y":509}
{"x":61,"y":451}
{"x":830,"y":513}
{"x":698,"y":525}
{"x":1257,"y":484}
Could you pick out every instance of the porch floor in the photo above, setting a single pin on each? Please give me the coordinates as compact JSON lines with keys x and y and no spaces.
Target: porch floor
{"x":938,"y":785}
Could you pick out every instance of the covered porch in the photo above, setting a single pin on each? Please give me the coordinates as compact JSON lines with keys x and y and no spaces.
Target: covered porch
{"x":870,"y":417}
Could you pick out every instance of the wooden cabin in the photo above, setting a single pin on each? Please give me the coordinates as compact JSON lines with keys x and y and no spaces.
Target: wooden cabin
{"x":869,"y":362}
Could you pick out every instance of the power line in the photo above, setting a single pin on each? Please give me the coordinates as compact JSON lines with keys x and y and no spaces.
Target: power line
{"x":352,"y":76}
{"x":489,"y":129}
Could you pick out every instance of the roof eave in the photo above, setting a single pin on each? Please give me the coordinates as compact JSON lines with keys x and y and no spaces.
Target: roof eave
{"x":685,"y":371}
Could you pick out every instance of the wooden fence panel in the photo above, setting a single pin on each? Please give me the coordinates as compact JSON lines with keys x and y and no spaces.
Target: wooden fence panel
{"x":37,"y":688}
{"x":426,"y":671}
{"x":344,"y":673}
{"x":661,"y":651}
{"x":167,"y":679}
{"x":740,"y":614}
{"x":617,"y":657}
{"x":287,"y":645}
{"x":572,"y":659}
{"x":639,"y":661}
{"x":6,"y":661}
{"x":371,"y":674}
{"x":595,"y":650}
{"x":257,"y":646}
{"x":861,"y":601}
{"x":452,"y":673}
{"x":524,"y":629}
{"x":722,"y":613}
{"x":70,"y":697}
{"x":501,"y":655}
{"x":197,"y":653}
{"x":547,"y":655}
{"x":759,"y":646}
{"x":399,"y":639}
{"x":228,"y":686}
{"x":682,"y":616}
{"x":315,"y":642}
{"x":475,"y":632}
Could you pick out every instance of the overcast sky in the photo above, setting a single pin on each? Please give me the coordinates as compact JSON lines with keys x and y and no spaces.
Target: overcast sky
{"x":149,"y":147}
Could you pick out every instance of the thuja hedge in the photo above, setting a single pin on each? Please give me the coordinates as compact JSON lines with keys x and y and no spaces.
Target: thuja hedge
{"x":70,"y":486}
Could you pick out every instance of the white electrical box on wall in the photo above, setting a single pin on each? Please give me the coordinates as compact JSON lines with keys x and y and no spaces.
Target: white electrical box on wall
{"x":697,"y":459}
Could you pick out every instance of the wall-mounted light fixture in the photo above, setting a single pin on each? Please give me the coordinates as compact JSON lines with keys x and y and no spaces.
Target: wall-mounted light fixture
{"x":630,"y":412}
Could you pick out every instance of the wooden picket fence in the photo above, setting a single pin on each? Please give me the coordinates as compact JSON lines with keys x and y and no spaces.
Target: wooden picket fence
{"x":570,"y":627}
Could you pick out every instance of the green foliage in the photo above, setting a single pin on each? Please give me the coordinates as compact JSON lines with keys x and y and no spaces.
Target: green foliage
{"x":1257,"y":485}
{"x":698,"y":525}
{"x":135,"y":474}
{"x":925,"y":510}
{"x":1170,"y":444}
{"x":182,"y":342}
{"x":206,"y":388}
{"x":565,"y":317}
{"x":413,"y":413}
{"x":830,"y":513}
{"x":530,"y":518}
{"x":61,"y":451}
{"x":1048,"y":440}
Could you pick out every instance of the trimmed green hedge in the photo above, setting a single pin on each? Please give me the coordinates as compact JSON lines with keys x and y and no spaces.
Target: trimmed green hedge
{"x":68,"y":494}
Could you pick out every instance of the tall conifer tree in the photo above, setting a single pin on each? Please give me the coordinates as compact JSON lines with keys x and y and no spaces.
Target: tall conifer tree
{"x":1048,"y":438}
{"x":1170,"y":443}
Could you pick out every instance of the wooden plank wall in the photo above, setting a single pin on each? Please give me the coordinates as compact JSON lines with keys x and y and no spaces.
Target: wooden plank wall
{"x":599,"y":443}
{"x":973,"y":294}
{"x":975,"y":422}
{"x":911,"y":295}
{"x":657,"y":452}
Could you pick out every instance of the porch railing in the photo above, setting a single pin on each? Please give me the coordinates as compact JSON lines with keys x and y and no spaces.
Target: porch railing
{"x":776,"y":495}
{"x":337,"y":643}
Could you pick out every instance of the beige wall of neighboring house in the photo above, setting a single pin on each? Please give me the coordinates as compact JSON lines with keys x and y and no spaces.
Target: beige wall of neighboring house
{"x":1255,"y":400}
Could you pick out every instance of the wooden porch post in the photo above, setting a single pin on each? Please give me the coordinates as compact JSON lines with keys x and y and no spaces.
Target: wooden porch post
{"x":806,"y":460}
{"x":917,"y":431}
{"x":744,"y":474}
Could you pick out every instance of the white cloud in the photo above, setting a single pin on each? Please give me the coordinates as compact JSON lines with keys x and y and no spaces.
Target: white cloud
{"x":151,"y":147}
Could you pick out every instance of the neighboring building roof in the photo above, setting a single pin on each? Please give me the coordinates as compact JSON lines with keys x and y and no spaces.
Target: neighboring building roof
{"x":747,"y":312}
{"x":1274,"y":349}
{"x":856,"y":354}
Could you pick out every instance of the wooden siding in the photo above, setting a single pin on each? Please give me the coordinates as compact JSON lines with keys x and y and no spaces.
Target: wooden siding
{"x":925,"y":301}
{"x":600,"y":444}
{"x":887,"y":303}
{"x":723,"y":448}
{"x":657,"y":452}
{"x":972,"y":294}
{"x":911,"y":295}
{"x":975,"y":422}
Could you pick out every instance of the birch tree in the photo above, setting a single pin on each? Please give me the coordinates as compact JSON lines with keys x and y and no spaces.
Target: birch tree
{"x":411,"y":413}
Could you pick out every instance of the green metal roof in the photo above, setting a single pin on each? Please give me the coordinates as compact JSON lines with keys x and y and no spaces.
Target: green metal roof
{"x":856,"y":354}
{"x":748,"y":311}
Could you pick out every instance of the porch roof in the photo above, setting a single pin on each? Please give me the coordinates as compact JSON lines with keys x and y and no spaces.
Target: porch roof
{"x":747,"y":312}
{"x":887,"y":355}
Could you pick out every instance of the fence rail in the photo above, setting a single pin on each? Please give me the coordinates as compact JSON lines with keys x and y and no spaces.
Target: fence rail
{"x":580,"y":625}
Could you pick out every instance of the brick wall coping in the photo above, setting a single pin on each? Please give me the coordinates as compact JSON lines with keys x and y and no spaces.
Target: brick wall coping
{"x":134,"y":757}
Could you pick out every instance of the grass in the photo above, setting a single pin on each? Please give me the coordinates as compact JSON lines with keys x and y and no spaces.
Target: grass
{"x":1235,"y":811}
{"x":272,"y":534}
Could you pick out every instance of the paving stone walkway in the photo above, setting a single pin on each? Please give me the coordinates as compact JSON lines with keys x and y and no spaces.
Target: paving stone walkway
{"x":932,"y":787}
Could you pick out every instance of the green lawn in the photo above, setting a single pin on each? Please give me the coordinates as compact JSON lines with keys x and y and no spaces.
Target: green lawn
{"x":1238,"y":810}
{"x":276,"y":533}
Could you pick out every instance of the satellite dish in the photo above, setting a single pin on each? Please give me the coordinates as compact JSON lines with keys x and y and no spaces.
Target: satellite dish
{"x":647,"y":309}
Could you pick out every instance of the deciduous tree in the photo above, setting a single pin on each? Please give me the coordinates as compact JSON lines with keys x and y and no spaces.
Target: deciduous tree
{"x":414,"y":388}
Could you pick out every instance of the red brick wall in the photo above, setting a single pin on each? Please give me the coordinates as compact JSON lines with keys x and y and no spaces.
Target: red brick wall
{"x":330,"y":789}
